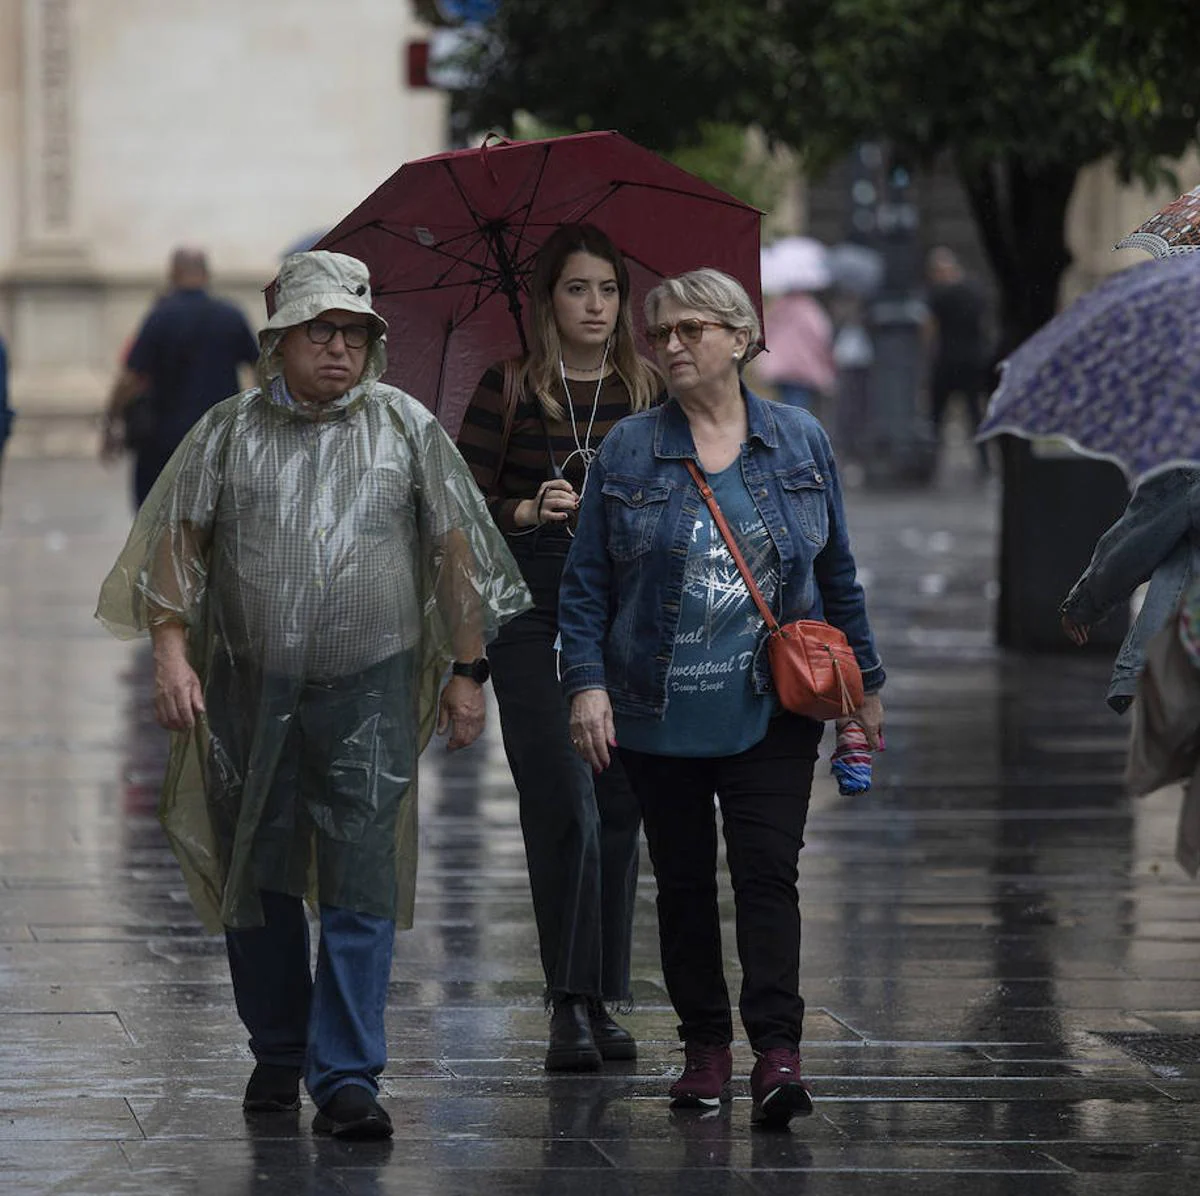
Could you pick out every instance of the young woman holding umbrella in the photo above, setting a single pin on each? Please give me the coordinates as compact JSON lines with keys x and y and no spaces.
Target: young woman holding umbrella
{"x":529,"y":435}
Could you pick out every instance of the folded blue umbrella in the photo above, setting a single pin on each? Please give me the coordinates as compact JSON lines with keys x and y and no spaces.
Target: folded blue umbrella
{"x":851,"y":759}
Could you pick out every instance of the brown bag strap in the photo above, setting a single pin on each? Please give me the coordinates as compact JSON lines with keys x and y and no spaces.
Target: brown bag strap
{"x":719,"y":519}
{"x":512,"y":396}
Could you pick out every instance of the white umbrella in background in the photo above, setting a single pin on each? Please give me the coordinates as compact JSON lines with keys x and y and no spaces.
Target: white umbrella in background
{"x":855,"y":268}
{"x":795,"y":264}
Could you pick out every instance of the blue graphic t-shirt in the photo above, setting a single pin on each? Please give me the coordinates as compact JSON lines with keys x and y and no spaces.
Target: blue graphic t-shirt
{"x":712,"y":709}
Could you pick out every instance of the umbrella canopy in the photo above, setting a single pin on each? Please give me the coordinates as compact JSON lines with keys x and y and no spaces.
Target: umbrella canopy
{"x":855,"y":268}
{"x":450,"y":242}
{"x":795,"y":264}
{"x":1117,"y":375}
{"x":1171,"y":231}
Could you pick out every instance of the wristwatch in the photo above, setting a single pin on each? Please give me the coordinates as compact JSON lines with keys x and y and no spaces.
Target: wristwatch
{"x":478,"y":670}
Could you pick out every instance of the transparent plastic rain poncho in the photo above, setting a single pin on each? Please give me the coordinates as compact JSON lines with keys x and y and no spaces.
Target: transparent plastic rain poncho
{"x":324,"y":562}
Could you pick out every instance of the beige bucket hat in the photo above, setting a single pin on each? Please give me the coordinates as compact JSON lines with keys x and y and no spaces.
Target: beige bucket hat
{"x":316,"y":281}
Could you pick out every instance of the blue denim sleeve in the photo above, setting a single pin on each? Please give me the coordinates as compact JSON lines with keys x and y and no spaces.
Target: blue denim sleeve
{"x":1157,"y":517}
{"x":842,"y":599}
{"x":583,"y":595}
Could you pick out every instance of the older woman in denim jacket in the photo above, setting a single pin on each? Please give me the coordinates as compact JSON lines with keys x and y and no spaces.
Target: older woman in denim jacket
{"x":1157,"y":539}
{"x":663,"y":653}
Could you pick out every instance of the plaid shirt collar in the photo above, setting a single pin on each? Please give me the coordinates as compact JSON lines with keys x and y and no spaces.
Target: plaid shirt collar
{"x":338,"y":408}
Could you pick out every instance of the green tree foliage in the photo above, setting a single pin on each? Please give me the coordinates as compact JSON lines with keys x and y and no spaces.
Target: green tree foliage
{"x":1021,"y":95}
{"x":721,"y":154}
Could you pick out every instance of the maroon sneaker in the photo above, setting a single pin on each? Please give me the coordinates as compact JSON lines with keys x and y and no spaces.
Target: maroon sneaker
{"x":777,"y":1090}
{"x":705,"y":1080}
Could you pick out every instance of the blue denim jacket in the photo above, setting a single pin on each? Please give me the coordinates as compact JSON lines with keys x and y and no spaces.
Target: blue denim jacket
{"x":1157,"y":538}
{"x":621,"y":589}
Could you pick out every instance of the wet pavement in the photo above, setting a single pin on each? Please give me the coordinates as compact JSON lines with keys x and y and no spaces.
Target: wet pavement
{"x":1001,"y":958}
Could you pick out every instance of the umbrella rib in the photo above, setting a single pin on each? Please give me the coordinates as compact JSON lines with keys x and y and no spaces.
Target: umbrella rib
{"x":540,"y":174}
{"x":487,"y":231}
{"x":484,"y":272}
{"x":450,"y":326}
{"x":409,"y":239}
{"x":506,"y":269}
{"x":730,"y":202}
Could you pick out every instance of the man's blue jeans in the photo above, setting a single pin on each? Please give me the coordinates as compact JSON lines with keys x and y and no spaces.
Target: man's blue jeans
{"x":330,"y":1024}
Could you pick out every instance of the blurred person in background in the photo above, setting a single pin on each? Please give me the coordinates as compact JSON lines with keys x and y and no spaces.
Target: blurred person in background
{"x":183,"y":359}
{"x":798,"y":331}
{"x":529,"y":435}
{"x":6,"y":412}
{"x":664,"y":665}
{"x":311,"y":561}
{"x":960,"y":348}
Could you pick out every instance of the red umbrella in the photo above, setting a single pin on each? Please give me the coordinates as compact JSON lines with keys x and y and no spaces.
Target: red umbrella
{"x":450,"y":242}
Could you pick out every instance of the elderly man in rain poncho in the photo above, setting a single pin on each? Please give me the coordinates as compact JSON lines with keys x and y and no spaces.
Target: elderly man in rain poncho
{"x":309,"y":563}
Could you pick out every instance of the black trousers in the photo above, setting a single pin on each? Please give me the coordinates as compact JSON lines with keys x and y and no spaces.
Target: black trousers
{"x":148,"y":463}
{"x":763,"y":794}
{"x":582,"y":834}
{"x":969,"y":381}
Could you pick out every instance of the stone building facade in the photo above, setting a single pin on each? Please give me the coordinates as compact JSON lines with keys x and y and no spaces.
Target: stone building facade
{"x":130,"y":126}
{"x":243,"y":126}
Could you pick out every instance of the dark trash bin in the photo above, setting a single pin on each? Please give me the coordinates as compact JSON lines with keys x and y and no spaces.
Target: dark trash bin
{"x":1055,"y":506}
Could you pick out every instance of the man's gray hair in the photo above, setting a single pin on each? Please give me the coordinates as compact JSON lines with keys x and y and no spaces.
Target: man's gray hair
{"x":707,"y":290}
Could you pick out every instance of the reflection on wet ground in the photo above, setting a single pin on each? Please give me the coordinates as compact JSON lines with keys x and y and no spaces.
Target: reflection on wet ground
{"x":1001,"y":958}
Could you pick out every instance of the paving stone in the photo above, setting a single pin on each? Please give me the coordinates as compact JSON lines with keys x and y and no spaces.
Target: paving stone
{"x":988,"y":936}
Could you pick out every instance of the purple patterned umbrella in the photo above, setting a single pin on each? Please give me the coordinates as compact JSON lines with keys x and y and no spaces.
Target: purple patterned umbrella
{"x":1116,"y":375}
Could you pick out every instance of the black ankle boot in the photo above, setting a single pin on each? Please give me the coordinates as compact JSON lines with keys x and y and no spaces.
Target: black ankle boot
{"x":572,"y":1047}
{"x":272,"y":1089}
{"x":614,"y":1042}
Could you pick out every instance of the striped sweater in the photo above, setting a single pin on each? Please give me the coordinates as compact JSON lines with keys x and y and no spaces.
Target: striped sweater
{"x":527,"y":463}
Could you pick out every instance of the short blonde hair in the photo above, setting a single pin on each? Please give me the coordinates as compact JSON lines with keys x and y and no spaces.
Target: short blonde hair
{"x":708,"y":290}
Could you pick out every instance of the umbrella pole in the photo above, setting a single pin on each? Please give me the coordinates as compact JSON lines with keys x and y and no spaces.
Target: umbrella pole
{"x":507,"y":271}
{"x":514,"y":306}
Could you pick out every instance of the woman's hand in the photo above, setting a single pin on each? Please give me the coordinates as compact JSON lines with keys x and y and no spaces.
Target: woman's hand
{"x":555,"y":502}
{"x":870,"y":716}
{"x":1077,"y":633}
{"x":592,"y":729}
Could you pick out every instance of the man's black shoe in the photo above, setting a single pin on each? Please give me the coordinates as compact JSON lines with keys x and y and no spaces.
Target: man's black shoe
{"x":353,"y":1114}
{"x":272,"y":1089}
{"x":572,"y":1047}
{"x":614,"y":1042}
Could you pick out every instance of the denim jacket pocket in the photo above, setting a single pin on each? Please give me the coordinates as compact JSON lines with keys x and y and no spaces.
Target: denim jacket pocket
{"x":804,"y":489}
{"x":634,"y":509}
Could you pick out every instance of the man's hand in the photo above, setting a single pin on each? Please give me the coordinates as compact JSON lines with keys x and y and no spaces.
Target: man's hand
{"x":112,"y":438}
{"x":125,"y":389}
{"x":593,"y":733}
{"x":870,"y":716}
{"x":1077,"y":633}
{"x":462,"y":711}
{"x":178,"y":697}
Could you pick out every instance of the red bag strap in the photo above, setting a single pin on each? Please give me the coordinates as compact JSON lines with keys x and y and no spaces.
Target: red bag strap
{"x":711,"y":499}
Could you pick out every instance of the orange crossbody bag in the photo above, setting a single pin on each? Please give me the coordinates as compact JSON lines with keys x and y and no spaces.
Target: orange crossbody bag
{"x":812,"y":665}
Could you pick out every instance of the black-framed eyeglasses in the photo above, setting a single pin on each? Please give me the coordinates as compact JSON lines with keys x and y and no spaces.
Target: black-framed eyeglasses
{"x":688,"y":331}
{"x":354,"y":336}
